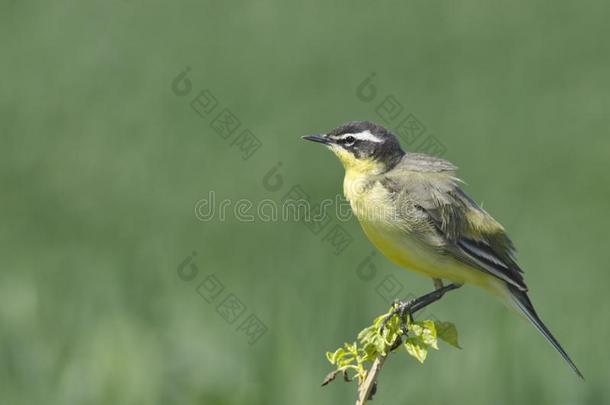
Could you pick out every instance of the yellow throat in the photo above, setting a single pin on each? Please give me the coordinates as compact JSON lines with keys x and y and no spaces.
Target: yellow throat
{"x":357,"y":183}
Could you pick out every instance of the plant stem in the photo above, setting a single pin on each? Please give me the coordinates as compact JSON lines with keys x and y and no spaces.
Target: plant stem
{"x":365,"y":389}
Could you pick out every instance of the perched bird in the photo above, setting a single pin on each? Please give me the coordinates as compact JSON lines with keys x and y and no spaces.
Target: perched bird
{"x":412,"y":208}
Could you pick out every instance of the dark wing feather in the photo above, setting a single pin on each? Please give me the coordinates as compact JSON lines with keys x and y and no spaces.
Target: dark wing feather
{"x":469,"y":233}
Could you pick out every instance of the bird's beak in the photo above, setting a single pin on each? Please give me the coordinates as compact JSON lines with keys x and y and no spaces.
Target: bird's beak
{"x":321,"y":138}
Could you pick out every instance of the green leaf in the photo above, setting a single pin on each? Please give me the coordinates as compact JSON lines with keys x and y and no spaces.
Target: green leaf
{"x":447,"y":332}
{"x":337,"y":355}
{"x":379,"y":320}
{"x":352,"y":349}
{"x":416,"y":348}
{"x":416,"y":329}
{"x":373,"y":341}
{"x":368,"y":335}
{"x":428,"y":334}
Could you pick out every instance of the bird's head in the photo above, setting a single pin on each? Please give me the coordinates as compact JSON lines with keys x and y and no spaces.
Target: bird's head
{"x":362,"y":146}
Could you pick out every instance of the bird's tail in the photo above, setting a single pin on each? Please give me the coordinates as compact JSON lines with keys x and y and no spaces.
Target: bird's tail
{"x":524,"y":306}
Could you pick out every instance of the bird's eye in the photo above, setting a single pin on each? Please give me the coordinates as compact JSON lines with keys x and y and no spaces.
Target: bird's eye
{"x":349,"y":140}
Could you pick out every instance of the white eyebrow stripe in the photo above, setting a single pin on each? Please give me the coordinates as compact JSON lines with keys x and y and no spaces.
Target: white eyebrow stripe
{"x":363,"y":136}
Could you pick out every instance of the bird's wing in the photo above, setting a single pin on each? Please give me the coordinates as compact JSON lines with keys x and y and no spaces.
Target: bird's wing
{"x":466,"y":231}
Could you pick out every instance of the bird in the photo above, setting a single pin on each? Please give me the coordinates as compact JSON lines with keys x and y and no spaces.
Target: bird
{"x":412,"y":207}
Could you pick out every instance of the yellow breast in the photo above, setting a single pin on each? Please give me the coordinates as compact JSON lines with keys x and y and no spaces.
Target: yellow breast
{"x":372,"y":204}
{"x":398,"y":237}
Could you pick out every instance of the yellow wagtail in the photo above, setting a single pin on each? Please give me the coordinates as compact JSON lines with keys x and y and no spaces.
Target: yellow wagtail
{"x":412,"y":208}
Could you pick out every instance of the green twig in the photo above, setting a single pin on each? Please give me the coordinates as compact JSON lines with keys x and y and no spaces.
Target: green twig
{"x":375,"y":343}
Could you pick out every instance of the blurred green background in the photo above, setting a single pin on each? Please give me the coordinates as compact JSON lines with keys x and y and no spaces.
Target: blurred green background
{"x":103,"y":163}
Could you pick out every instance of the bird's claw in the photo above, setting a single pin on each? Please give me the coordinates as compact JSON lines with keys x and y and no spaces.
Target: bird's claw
{"x":400,"y":308}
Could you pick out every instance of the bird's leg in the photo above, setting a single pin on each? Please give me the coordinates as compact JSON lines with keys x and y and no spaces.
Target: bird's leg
{"x":412,"y":306}
{"x":438,"y":284}
{"x":427,"y":299}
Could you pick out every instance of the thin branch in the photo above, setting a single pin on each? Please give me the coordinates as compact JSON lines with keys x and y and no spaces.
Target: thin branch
{"x":366,"y":388}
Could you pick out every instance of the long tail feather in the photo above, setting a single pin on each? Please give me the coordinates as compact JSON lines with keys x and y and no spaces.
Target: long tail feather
{"x":524,"y":305}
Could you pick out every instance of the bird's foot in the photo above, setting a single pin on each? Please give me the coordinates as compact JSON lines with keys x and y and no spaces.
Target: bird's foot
{"x":406,"y":309}
{"x":403,"y":310}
